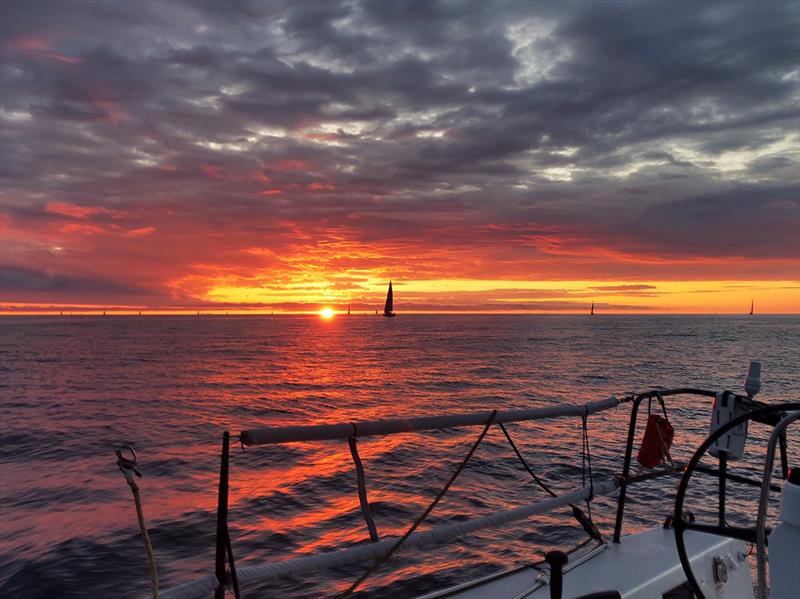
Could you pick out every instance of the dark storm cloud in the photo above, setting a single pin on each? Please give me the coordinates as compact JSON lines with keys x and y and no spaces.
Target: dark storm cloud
{"x":632,"y":127}
{"x":22,"y":280}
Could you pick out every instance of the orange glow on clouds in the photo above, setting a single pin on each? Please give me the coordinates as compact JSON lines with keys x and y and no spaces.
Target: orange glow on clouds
{"x":148,"y":174}
{"x":288,"y":266}
{"x":42,"y":47}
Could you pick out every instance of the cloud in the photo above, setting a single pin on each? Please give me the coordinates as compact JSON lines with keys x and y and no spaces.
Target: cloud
{"x":623,"y":287}
{"x":23,"y":281}
{"x":430,"y":139}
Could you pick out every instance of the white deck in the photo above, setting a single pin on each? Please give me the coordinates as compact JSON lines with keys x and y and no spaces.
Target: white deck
{"x":642,"y":566}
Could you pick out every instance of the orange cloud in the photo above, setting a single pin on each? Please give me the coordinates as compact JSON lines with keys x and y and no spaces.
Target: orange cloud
{"x":42,"y":47}
{"x":322,"y":136}
{"x":72,"y":210}
{"x":316,"y":186}
{"x":77,"y":211}
{"x":30,"y":44}
{"x":293,"y":165}
{"x":140,"y":232}
{"x":212,"y":171}
{"x":63,"y":57}
{"x":113,"y":110}
{"x":81,"y":228}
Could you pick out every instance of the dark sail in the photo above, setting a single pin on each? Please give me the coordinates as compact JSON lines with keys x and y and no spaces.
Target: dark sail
{"x":388,"y":309}
{"x":592,"y":310}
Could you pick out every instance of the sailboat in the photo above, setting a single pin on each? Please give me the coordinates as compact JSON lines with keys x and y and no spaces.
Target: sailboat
{"x":591,"y":312}
{"x":751,"y":307}
{"x":348,"y":309}
{"x":388,"y":309}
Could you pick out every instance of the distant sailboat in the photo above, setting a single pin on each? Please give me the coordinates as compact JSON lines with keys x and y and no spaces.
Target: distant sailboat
{"x":348,"y":309}
{"x":388,"y":309}
{"x":751,"y":307}
{"x":591,"y":312}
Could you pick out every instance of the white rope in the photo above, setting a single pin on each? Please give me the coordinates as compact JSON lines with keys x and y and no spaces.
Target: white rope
{"x":360,"y":553}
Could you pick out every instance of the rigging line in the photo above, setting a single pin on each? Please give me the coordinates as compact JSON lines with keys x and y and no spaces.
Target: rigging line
{"x":539,"y":481}
{"x":379,"y":562}
{"x":588,"y":451}
{"x":577,"y":513}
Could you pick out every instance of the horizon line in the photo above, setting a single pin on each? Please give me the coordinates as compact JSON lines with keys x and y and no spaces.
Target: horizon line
{"x":216,"y":312}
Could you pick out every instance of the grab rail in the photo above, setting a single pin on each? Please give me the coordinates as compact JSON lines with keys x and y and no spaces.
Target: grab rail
{"x":325,"y":432}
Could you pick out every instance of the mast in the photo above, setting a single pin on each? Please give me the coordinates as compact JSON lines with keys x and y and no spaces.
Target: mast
{"x":348,"y":309}
{"x":388,"y":309}
{"x":751,"y":307}
{"x":592,"y":310}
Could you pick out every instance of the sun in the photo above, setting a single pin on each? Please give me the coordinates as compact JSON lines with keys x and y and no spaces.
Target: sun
{"x":326,"y":313}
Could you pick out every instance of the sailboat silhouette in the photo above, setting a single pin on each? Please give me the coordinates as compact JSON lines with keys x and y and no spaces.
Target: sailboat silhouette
{"x":751,"y":307}
{"x":388,"y":309}
{"x":348,"y":310}
{"x":591,"y":312}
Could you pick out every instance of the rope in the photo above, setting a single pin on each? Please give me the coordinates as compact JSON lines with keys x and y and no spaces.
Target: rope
{"x":378,"y":563}
{"x":128,"y":469}
{"x":664,"y":445}
{"x":577,"y":512}
{"x":588,"y":455}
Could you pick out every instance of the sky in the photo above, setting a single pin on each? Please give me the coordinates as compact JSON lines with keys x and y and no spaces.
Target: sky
{"x":485,"y":156}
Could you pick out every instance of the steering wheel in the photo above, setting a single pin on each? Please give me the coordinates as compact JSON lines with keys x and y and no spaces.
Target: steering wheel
{"x":748,"y":535}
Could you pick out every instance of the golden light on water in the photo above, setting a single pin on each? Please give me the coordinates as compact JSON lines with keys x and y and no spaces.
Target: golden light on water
{"x":326,"y":313}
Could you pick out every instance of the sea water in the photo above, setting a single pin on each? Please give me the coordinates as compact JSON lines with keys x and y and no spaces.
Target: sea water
{"x":74,"y":389}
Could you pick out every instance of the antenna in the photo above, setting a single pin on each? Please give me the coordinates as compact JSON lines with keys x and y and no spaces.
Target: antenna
{"x":752,"y":384}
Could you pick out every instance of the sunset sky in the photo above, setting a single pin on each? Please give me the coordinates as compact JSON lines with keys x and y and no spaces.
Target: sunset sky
{"x":485,"y":156}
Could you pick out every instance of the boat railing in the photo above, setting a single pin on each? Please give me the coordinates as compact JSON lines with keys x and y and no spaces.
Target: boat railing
{"x":226,"y":573}
{"x":744,"y":403}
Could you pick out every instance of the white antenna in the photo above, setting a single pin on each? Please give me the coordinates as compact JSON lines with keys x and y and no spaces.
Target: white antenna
{"x":752,"y":384}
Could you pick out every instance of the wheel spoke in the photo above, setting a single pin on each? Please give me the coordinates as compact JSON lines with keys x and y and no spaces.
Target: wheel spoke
{"x":748,"y":535}
{"x":736,"y":478}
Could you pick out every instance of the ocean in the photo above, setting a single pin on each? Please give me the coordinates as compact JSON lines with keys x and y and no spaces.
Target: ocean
{"x":76,"y":388}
